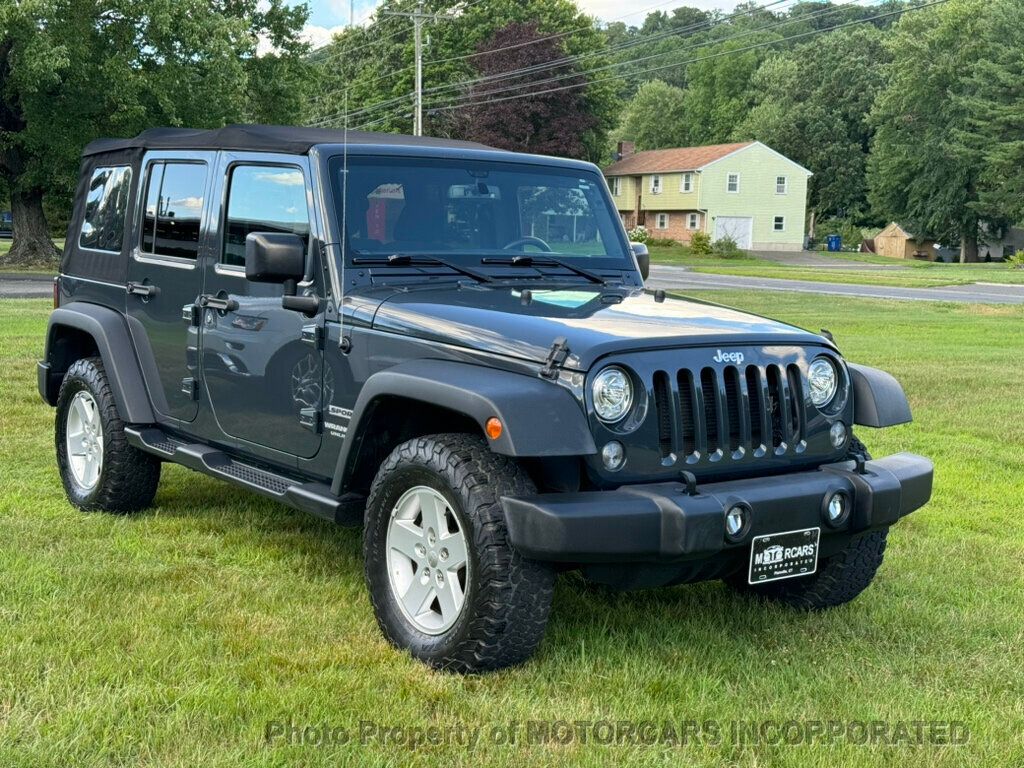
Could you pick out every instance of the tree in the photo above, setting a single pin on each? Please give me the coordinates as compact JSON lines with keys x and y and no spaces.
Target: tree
{"x":994,"y":100}
{"x":556,"y":123}
{"x":656,"y":117}
{"x":73,"y":70}
{"x":922,"y":172}
{"x":812,"y":105}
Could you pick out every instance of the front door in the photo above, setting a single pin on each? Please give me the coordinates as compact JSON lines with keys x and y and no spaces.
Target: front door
{"x":262,"y":365}
{"x":164,"y":278}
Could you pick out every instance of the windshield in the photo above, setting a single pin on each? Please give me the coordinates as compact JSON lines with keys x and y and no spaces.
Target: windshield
{"x":465,"y":211}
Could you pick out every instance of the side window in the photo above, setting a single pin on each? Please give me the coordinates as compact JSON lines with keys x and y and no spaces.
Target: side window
{"x":263,"y":198}
{"x":174,"y":209}
{"x":105,"y":207}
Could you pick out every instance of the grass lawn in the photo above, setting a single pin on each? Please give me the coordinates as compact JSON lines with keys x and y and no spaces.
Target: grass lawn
{"x":173,"y":637}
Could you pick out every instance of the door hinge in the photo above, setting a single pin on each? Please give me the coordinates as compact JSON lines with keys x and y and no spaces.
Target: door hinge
{"x":313,"y":335}
{"x":190,"y":388}
{"x":556,"y":356}
{"x":310,"y":419}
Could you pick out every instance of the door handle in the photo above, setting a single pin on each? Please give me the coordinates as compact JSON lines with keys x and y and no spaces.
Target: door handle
{"x":221,"y":303}
{"x":142,"y":289}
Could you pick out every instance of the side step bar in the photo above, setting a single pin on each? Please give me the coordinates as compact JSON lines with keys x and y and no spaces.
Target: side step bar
{"x":315,"y":498}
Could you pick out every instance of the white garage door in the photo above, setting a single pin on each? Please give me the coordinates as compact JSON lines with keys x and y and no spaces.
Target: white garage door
{"x":739,"y":228}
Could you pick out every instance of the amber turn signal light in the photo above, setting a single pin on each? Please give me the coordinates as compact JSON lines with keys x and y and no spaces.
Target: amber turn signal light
{"x":493,"y":428}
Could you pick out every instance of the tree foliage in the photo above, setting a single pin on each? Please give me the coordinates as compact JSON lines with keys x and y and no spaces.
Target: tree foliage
{"x":921,"y":171}
{"x":73,"y":70}
{"x":656,"y":117}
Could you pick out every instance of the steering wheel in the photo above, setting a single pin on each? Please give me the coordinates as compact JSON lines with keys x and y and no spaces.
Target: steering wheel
{"x":534,"y":241}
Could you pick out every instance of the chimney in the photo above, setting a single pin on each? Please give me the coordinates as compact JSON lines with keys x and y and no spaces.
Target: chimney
{"x":624,"y":150}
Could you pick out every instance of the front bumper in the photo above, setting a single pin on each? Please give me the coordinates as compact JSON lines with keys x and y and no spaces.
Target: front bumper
{"x":661,"y":522}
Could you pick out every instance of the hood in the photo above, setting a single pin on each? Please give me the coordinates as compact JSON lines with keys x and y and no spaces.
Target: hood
{"x":595,"y":322}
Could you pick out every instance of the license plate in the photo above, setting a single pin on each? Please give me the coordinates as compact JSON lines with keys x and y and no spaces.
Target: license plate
{"x":784,"y":555}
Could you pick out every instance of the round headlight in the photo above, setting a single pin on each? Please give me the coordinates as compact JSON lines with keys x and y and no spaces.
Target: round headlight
{"x":823,"y":381}
{"x":613,"y":394}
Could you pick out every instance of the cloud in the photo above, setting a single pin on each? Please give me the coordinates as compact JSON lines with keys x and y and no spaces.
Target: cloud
{"x":282,"y":178}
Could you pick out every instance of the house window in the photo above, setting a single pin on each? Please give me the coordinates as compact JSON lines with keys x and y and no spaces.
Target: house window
{"x":781,"y":185}
{"x":661,"y":221}
{"x":174,"y":209}
{"x":263,"y":198}
{"x":616,"y":186}
{"x":732,"y":183}
{"x":779,"y":224}
{"x":692,"y":221}
{"x":105,"y":206}
{"x":687,"y":185}
{"x":655,"y":185}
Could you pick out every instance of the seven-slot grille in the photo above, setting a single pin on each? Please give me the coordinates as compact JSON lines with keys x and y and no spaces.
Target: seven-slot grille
{"x":730,"y":412}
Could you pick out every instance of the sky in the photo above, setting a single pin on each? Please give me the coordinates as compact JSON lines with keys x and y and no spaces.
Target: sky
{"x":329,"y":16}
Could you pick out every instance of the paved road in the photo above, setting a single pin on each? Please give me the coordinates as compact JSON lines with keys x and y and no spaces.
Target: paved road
{"x":679,"y":278}
{"x":25,"y":286}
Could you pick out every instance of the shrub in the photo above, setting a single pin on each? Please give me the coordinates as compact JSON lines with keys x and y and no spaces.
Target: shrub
{"x":662,"y":242}
{"x":639,"y":234}
{"x":726,"y":248}
{"x":1016,"y":260}
{"x":700,"y":243}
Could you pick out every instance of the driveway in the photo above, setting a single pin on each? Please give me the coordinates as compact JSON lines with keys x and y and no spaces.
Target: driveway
{"x":680,"y":278}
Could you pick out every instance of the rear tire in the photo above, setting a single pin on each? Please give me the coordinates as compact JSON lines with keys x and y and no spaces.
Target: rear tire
{"x":99,"y":469}
{"x":480,"y":606}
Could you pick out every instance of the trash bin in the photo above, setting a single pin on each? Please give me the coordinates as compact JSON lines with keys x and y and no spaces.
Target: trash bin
{"x":835,"y":243}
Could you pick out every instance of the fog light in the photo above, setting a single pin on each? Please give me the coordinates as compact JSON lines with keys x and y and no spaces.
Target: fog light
{"x":837,"y":508}
{"x":737,"y":520}
{"x":613,"y":455}
{"x":838,"y":434}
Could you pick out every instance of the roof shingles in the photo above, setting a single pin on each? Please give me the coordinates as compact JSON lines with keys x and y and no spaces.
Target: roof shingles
{"x":671,"y":160}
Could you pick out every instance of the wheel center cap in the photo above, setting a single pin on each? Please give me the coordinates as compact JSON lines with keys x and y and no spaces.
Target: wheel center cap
{"x":432,"y":559}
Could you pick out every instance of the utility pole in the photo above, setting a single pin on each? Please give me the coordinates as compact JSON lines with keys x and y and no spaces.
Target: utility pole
{"x":418,"y":17}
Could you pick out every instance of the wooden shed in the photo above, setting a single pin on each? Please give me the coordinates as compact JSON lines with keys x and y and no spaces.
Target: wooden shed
{"x":897,"y":243}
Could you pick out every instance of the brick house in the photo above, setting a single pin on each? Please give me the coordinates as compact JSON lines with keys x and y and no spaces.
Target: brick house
{"x":746,"y":191}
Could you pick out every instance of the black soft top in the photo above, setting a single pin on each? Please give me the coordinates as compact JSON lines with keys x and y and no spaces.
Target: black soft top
{"x":264,"y":138}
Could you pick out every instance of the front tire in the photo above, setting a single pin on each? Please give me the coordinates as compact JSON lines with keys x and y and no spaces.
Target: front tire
{"x":840,"y":578}
{"x":444,"y":582}
{"x":99,"y":469}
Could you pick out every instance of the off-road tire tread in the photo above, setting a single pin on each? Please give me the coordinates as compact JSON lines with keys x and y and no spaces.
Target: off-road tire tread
{"x":129,"y":477}
{"x":514,"y":595}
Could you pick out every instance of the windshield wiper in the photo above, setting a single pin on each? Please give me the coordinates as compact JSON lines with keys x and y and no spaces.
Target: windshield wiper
{"x":404,"y":259}
{"x":546,"y":261}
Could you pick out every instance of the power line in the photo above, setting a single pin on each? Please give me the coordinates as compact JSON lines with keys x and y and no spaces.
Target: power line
{"x":695,"y":60}
{"x":510,"y":74}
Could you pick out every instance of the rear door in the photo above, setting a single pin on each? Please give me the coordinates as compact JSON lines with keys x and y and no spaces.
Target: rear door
{"x":262,"y":365}
{"x":164,"y":278}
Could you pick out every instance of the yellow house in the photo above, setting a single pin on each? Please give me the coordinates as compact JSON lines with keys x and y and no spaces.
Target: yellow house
{"x":746,"y":191}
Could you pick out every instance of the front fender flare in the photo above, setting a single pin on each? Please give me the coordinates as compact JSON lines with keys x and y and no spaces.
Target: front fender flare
{"x":110,"y":333}
{"x":539,"y":418}
{"x":878,"y":399}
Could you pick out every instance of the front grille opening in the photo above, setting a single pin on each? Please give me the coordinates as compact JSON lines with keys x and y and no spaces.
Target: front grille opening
{"x":709,"y":388}
{"x":663,"y":407}
{"x":796,"y":402}
{"x":776,"y":404}
{"x":732,"y":407}
{"x":686,"y":396}
{"x":754,"y":391}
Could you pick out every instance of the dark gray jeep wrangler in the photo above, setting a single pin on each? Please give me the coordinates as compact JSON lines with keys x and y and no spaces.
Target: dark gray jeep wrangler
{"x":452,"y":346}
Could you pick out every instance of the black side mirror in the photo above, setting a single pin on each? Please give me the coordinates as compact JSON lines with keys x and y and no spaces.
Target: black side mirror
{"x":279,"y":257}
{"x":275,"y":257}
{"x":643,"y":258}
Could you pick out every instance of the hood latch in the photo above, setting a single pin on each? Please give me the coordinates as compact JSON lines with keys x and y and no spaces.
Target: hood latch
{"x":557,"y":355}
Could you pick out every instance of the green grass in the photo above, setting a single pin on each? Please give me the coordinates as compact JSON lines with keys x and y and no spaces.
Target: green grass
{"x":681,"y":255}
{"x":171,"y":638}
